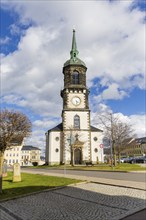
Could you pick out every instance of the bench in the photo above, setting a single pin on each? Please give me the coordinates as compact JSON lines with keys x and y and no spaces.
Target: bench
{"x":89,"y":163}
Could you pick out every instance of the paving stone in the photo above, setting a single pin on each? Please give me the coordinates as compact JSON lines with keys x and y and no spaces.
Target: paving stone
{"x":81,"y":202}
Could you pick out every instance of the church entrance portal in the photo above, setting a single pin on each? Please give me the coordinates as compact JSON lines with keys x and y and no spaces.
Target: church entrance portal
{"x":77,"y":156}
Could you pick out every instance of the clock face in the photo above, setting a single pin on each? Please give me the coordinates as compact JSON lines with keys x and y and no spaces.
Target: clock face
{"x":76,"y":100}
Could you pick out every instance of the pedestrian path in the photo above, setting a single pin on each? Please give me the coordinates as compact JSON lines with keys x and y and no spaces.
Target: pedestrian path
{"x":82,"y":201}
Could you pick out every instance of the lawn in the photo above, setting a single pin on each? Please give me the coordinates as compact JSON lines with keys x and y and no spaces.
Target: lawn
{"x":31,"y":183}
{"x":120,"y":167}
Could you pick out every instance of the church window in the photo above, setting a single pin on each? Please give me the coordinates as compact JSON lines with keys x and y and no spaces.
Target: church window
{"x":95,"y":139}
{"x":57,"y":138}
{"x":77,"y":122}
{"x":56,"y":150}
{"x":96,"y":150}
{"x":75,"y":77}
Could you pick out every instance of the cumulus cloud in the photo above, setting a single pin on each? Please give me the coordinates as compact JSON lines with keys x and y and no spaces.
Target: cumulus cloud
{"x":112,"y":92}
{"x":110,"y":39}
{"x":137,"y":121}
{"x":4,"y":40}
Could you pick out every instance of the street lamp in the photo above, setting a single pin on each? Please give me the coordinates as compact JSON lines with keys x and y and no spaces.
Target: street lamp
{"x":70,"y":141}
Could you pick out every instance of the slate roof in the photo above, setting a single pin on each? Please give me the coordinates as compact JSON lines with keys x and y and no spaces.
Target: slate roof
{"x":141,"y":140}
{"x":59,"y":127}
{"x":95,"y":129}
{"x":29,"y":147}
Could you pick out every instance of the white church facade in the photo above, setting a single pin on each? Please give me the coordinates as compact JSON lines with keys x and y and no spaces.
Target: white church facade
{"x":74,"y":141}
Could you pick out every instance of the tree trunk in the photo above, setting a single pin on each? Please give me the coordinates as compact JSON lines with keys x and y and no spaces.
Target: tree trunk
{"x":114,"y":154}
{"x":1,"y":165}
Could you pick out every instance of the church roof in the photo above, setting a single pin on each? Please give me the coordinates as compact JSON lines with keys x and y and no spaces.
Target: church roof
{"x":74,"y":60}
{"x":95,"y":129}
{"x":57,"y":128}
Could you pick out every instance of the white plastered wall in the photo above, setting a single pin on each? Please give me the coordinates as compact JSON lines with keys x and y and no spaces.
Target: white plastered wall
{"x":13,"y":155}
{"x":53,"y":147}
{"x":97,"y":144}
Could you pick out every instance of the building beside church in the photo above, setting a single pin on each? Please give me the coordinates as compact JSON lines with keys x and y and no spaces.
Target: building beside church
{"x":74,"y":140}
{"x":25,"y":155}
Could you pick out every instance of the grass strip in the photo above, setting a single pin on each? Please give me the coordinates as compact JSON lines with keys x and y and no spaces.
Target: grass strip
{"x":31,"y":183}
{"x":103,"y":167}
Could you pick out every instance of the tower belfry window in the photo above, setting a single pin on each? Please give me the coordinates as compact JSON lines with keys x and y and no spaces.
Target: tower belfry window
{"x":77,"y":122}
{"x":75,"y":77}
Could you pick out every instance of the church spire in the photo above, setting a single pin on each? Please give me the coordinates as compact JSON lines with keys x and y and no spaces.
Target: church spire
{"x":74,"y":52}
{"x":74,"y":60}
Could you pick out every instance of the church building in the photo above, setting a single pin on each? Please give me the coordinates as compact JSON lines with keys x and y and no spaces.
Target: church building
{"x":74,"y":141}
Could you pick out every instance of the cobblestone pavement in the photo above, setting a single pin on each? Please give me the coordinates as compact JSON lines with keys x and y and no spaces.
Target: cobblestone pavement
{"x":77,"y":202}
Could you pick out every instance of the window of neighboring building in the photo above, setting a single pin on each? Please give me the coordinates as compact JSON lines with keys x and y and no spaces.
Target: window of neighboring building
{"x":75,"y":77}
{"x":17,"y":155}
{"x":22,"y":157}
{"x":13,"y":155}
{"x":13,"y":161}
{"x":9,"y":161}
{"x":76,"y":121}
{"x":17,"y":161}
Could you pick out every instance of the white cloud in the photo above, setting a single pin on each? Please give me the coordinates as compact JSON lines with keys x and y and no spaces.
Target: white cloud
{"x":112,"y":92}
{"x":137,"y":121}
{"x":4,"y":40}
{"x":139,"y":124}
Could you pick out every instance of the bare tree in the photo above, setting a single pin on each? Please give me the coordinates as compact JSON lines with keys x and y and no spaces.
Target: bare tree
{"x":14,"y":127}
{"x":116,"y":130}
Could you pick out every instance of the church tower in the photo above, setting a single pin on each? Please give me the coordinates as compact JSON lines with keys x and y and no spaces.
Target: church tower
{"x":74,"y":141}
{"x":76,"y":113}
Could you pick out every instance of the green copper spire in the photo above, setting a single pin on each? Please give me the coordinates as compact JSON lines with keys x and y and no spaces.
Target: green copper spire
{"x":74,"y":60}
{"x":74,"y":52}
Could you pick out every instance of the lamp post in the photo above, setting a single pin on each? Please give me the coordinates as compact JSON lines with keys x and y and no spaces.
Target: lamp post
{"x":72,"y":153}
{"x":111,"y":147}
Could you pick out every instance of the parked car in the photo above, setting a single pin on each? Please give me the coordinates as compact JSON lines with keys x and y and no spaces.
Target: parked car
{"x":138,"y":160}
{"x":122,"y":160}
{"x":128,"y":159}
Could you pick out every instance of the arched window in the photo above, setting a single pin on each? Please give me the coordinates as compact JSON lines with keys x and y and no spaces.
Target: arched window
{"x":75,"y":77}
{"x":77,"y":122}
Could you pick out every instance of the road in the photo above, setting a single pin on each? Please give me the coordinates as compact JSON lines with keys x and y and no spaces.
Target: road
{"x":130,"y":176}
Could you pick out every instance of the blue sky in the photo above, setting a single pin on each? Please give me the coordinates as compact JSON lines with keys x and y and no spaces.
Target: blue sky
{"x":36,"y":42}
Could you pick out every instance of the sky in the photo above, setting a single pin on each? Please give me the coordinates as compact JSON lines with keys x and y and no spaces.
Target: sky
{"x":36,"y":39}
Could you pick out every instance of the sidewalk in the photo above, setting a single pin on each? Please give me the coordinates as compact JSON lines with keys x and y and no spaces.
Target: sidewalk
{"x":136,"y":216}
{"x":140,"y":215}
